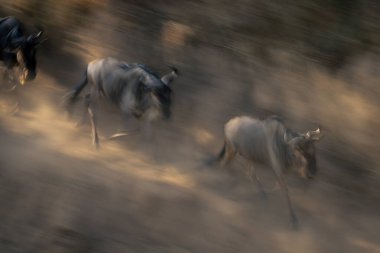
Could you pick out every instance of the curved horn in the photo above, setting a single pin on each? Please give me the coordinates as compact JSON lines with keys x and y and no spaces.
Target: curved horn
{"x":174,"y":69}
{"x":168,"y":78}
{"x":37,"y":39}
{"x":38,"y":35}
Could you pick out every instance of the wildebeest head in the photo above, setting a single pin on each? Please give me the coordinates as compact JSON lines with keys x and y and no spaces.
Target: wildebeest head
{"x":25,"y":47}
{"x":154,"y":95}
{"x":163,"y":92}
{"x":163,"y":95}
{"x":304,"y":152}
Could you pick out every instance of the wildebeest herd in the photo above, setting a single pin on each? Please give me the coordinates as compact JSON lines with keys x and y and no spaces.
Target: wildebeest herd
{"x":138,"y":91}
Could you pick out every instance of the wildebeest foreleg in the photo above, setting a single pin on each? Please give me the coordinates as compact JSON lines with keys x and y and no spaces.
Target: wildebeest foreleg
{"x":253,"y":176}
{"x":293,"y":217}
{"x":150,"y":141}
{"x":278,"y":171}
{"x":95,"y":138}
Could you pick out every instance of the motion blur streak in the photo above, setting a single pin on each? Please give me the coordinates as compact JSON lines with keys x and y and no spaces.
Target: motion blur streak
{"x":313,"y":63}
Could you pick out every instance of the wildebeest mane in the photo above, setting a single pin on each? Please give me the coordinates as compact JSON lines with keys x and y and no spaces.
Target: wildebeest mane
{"x":280,"y":132}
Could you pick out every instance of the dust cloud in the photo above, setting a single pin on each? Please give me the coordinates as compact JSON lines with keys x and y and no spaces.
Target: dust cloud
{"x":59,"y":194}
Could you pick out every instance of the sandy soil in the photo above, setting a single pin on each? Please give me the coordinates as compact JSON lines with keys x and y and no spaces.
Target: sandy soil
{"x":58,"y":194}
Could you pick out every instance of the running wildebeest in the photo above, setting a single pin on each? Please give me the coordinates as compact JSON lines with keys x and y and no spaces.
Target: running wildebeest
{"x":134,"y":88}
{"x":269,"y":142}
{"x":17,"y":48}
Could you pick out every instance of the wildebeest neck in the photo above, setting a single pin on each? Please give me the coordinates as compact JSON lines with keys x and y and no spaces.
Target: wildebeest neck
{"x":285,"y":151}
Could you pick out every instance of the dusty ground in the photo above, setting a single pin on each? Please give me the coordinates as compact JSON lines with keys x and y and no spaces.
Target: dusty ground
{"x":58,"y":194}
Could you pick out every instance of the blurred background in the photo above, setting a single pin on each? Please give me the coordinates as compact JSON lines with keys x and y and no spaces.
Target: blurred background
{"x":315,"y":63}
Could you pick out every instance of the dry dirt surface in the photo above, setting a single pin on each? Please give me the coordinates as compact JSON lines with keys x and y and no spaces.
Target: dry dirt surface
{"x":58,"y":194}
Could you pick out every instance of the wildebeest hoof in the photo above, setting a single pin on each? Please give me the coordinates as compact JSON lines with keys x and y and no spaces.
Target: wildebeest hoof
{"x":118,"y":134}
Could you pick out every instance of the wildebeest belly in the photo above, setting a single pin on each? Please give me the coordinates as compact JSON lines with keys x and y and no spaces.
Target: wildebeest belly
{"x":114,"y":92}
{"x":114,"y":85}
{"x":251,"y":143}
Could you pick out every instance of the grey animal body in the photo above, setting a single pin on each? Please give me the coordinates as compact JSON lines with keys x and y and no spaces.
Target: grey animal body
{"x":134,"y":88}
{"x":269,"y":142}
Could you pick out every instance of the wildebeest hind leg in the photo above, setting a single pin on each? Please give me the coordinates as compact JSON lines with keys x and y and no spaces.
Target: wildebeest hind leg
{"x":229,"y":153}
{"x":95,"y":138}
{"x":84,"y":112}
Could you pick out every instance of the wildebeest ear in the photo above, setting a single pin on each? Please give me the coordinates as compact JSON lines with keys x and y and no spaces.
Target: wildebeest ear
{"x":168,"y":78}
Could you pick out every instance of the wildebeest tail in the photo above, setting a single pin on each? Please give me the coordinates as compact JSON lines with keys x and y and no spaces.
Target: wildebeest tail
{"x":72,"y":95}
{"x":211,"y":161}
{"x":222,"y":152}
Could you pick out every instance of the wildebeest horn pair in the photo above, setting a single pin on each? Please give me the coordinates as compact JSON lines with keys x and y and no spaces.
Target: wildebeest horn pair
{"x":314,"y":135}
{"x":38,"y":35}
{"x":309,"y":135}
{"x":16,"y":43}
